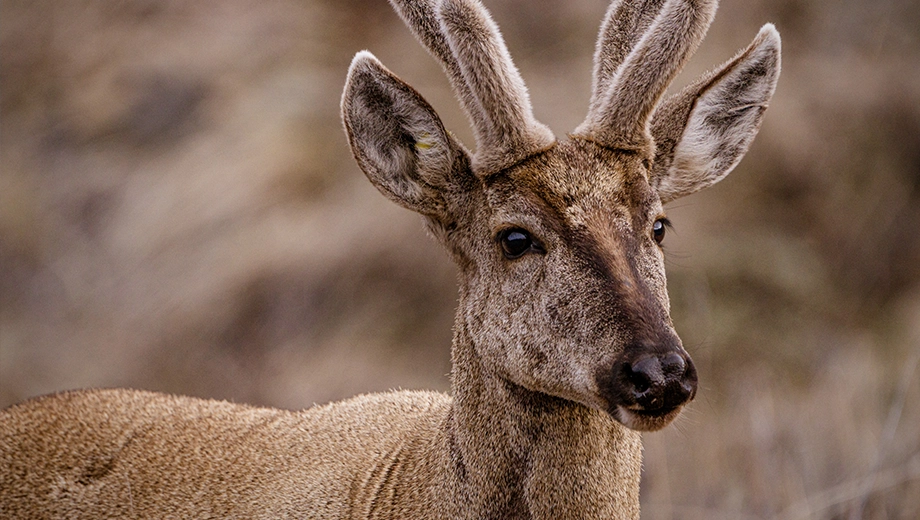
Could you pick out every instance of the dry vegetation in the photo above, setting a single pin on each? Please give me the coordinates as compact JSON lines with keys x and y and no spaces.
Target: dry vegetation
{"x":179,"y":211}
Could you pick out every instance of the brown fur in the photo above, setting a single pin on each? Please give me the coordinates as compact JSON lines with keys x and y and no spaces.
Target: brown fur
{"x":561,"y":354}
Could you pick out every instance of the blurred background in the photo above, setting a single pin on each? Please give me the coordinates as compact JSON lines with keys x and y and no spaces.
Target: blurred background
{"x":179,"y":211}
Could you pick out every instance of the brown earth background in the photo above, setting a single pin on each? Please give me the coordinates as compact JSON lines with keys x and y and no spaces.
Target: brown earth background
{"x":179,"y":211}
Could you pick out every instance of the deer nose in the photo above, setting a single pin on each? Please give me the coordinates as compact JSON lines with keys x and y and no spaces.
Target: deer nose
{"x":662,"y":382}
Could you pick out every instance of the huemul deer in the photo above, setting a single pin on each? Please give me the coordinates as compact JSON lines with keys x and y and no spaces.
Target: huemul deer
{"x":563,"y":346}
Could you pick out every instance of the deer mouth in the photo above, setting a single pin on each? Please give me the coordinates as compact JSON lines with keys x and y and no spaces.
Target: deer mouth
{"x":643,"y":419}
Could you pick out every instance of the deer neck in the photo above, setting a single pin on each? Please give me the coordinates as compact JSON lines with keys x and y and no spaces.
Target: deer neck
{"x":518,"y":453}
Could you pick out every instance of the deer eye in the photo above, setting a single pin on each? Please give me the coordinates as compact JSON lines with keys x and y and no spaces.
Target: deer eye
{"x":516,"y":242}
{"x":658,"y":229}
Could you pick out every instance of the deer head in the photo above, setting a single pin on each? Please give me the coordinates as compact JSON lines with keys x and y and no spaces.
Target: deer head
{"x":558,"y":244}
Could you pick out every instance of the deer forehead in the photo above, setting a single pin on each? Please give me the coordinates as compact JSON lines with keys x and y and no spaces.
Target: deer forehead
{"x":575,"y":187}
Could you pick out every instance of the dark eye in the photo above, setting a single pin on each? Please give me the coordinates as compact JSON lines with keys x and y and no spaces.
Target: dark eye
{"x":515,"y":242}
{"x":658,"y":229}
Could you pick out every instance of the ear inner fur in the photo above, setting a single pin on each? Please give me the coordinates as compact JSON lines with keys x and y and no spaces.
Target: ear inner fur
{"x":702,"y":132}
{"x":398,"y":139}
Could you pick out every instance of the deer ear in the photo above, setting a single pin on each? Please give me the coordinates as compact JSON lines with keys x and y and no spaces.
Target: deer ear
{"x":703,"y":132}
{"x":398,"y":139}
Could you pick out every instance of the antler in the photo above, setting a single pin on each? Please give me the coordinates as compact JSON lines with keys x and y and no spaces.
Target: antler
{"x":462,"y":35}
{"x":623,"y":25}
{"x":638,"y":54}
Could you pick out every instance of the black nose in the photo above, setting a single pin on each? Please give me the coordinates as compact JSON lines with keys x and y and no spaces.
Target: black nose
{"x":662,"y":381}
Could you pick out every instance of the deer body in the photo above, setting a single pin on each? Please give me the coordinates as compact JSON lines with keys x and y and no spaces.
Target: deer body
{"x":155,"y":456}
{"x":563,"y":347}
{"x":392,"y":455}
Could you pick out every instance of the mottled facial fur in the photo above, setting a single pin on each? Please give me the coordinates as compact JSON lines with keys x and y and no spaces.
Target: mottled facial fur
{"x":563,"y":318}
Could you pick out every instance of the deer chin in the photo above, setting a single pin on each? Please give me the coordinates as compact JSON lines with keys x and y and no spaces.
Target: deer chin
{"x":640,"y":419}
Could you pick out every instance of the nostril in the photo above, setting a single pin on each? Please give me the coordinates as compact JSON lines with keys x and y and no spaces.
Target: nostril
{"x":640,"y":383}
{"x":644,"y":373}
{"x":673,"y":364}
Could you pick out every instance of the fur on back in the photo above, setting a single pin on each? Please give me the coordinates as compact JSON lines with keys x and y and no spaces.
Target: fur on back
{"x":135,"y":454}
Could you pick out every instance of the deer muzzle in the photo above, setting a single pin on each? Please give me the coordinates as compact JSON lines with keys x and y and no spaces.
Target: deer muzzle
{"x":646,"y":388}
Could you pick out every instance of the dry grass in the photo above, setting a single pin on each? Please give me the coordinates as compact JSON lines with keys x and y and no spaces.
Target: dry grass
{"x":179,"y":212}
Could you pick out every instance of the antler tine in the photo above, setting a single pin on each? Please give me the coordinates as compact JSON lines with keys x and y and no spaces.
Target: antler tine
{"x":462,"y":35}
{"x":623,"y":26}
{"x":421,"y":18}
{"x":621,"y":117}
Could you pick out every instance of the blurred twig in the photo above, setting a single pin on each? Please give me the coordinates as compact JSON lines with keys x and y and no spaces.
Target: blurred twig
{"x":854,"y":489}
{"x":710,"y":513}
{"x":862,"y":488}
{"x":891,"y":427}
{"x":888,"y":433}
{"x":816,"y":503}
